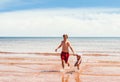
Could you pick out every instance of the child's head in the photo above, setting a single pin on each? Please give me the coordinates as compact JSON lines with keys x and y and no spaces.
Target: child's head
{"x":65,"y":36}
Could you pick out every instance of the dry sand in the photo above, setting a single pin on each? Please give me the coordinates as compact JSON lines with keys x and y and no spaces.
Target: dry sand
{"x":45,"y":68}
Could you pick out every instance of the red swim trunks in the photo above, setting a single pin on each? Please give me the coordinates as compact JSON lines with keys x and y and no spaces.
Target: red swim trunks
{"x":64,"y":56}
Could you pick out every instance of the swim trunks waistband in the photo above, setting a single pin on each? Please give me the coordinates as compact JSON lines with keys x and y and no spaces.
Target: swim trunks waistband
{"x":65,"y":52}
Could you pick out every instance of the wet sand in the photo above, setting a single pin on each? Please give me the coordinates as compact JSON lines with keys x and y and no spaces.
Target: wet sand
{"x":44,"y":67}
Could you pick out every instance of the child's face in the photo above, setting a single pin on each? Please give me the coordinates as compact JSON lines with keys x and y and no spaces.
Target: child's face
{"x":65,"y":37}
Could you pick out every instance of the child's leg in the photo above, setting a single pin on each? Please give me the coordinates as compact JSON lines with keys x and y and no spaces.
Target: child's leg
{"x":78,"y":63}
{"x":77,"y":60}
{"x":62,"y":64}
{"x":68,"y":64}
{"x":67,"y":60}
{"x":78,"y":66}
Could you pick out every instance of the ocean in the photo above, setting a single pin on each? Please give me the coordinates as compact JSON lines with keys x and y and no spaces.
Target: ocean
{"x":107,"y":45}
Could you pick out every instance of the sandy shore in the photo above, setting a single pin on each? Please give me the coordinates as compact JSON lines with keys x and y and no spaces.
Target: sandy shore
{"x":16,"y":67}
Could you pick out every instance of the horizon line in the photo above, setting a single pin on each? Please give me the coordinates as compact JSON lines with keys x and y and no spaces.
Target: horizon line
{"x":59,"y":36}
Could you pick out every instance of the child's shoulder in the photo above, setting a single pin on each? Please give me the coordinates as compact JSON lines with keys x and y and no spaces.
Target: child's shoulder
{"x":68,"y":41}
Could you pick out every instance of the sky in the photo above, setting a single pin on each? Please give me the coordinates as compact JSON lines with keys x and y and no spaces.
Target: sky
{"x":77,"y":18}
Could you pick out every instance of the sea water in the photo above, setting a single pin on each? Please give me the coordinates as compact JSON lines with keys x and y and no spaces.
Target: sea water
{"x":48,"y":44}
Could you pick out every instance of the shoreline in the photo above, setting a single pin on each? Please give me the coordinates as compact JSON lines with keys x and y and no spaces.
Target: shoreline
{"x":88,"y":53}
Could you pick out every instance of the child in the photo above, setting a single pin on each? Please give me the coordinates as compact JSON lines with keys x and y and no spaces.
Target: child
{"x":65,"y":44}
{"x":79,"y":60}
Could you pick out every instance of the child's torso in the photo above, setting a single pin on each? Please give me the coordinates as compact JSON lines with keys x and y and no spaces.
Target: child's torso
{"x":65,"y":46}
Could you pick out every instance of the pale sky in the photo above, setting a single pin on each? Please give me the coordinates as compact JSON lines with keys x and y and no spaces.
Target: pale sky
{"x":81,"y":18}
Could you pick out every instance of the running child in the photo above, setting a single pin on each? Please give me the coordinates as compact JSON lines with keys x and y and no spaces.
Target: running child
{"x":65,"y":44}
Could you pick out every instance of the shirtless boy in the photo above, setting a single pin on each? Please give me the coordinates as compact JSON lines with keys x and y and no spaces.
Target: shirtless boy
{"x":65,"y":44}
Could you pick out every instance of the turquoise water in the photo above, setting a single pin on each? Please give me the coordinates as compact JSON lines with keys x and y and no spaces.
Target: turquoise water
{"x":48,"y":44}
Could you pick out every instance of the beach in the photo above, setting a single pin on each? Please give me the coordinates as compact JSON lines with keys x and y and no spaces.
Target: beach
{"x":45,"y":67}
{"x":31,"y":59}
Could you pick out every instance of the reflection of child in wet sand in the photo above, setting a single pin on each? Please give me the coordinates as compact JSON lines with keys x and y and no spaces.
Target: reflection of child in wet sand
{"x":77,"y":77}
{"x":68,"y":78}
{"x":65,"y":78}
{"x":65,"y":44}
{"x":78,"y":62}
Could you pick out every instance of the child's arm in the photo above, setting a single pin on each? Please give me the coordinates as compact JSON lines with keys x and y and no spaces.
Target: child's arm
{"x":71,"y":48}
{"x":58,"y":47}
